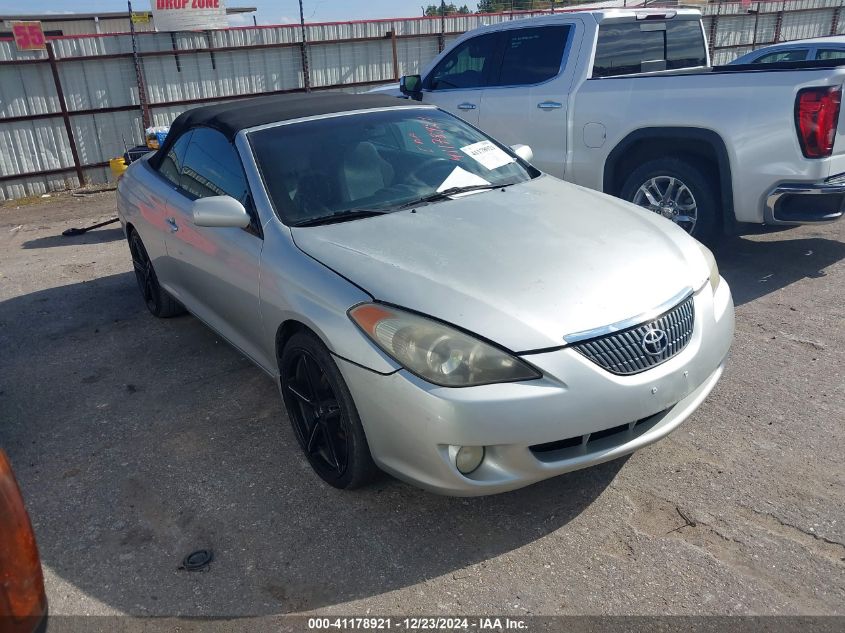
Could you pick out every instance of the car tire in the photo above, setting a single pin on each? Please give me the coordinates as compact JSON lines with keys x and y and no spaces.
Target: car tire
{"x":693,"y":179}
{"x":323,"y":415}
{"x":157,"y":299}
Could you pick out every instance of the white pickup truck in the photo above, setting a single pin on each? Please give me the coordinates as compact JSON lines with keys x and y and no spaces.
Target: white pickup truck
{"x":626,"y":102}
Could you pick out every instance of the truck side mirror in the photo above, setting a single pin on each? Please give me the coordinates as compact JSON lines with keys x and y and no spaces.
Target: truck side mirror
{"x":411,"y":86}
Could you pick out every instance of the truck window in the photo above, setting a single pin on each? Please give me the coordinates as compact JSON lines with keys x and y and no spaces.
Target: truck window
{"x":467,"y":66}
{"x":531,"y":56}
{"x":622,"y":48}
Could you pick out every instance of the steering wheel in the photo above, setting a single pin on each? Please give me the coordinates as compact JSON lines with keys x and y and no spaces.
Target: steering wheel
{"x":432,"y":171}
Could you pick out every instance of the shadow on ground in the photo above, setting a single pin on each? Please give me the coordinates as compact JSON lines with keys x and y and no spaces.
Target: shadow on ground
{"x":97,"y":236}
{"x":757,"y":268}
{"x":138,"y":440}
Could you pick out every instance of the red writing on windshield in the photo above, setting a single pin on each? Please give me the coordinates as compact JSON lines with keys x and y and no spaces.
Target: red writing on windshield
{"x":436,"y":137}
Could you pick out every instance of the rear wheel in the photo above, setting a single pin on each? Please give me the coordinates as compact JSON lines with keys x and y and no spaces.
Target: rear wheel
{"x":323,"y":414}
{"x":677,"y":190}
{"x":157,"y":300}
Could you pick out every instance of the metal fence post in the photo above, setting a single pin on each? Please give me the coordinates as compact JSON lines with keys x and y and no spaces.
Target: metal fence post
{"x":778,"y":24}
{"x":303,"y":51}
{"x":756,"y":23}
{"x":65,"y":115}
{"x":139,"y":74}
{"x":714,"y":24}
{"x":392,"y":36}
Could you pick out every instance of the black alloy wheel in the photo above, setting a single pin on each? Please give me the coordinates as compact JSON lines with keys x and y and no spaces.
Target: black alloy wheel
{"x":323,"y":415}
{"x":158,"y":302}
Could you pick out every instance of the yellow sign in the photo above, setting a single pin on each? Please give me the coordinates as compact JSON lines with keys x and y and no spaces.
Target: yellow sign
{"x":142,"y":18}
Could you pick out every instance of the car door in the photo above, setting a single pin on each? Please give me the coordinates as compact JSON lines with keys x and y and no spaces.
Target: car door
{"x":215,"y":270}
{"x":457,"y":81}
{"x":526,"y":101}
{"x":168,"y":177}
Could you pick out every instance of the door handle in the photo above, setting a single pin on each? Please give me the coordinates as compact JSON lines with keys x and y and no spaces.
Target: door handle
{"x":466,"y":106}
{"x":548,"y":105}
{"x":173,"y":226}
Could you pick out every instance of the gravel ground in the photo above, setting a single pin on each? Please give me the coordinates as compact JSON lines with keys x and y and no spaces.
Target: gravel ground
{"x":137,"y":441}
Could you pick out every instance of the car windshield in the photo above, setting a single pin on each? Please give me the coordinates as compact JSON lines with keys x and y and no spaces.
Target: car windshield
{"x":358,"y":165}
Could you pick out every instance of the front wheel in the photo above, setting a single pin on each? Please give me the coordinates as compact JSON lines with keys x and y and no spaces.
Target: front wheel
{"x":323,"y":414}
{"x":677,"y":190}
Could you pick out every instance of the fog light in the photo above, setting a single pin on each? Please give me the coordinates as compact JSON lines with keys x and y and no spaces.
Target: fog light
{"x":469,"y":458}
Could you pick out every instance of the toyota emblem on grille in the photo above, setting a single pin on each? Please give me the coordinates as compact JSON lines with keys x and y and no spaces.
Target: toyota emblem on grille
{"x":654,"y":341}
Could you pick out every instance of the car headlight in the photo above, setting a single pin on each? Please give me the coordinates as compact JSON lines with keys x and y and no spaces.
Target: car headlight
{"x":714,"y":267}
{"x":436,"y":352}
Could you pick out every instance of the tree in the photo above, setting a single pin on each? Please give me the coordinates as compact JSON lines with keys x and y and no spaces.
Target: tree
{"x":441,"y":9}
{"x":501,"y":6}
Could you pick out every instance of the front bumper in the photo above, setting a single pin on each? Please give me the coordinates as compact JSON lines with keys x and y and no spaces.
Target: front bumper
{"x":806,"y":202}
{"x":414,"y":428}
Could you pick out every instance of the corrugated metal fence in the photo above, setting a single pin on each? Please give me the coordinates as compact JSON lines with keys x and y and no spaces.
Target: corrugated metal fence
{"x":65,"y":113}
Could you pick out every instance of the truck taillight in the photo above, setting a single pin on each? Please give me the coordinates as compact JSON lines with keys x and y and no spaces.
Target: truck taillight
{"x":816,"y":118}
{"x":22,"y":598}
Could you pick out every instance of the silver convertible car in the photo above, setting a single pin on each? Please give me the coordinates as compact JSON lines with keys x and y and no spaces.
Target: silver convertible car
{"x":429,"y":303}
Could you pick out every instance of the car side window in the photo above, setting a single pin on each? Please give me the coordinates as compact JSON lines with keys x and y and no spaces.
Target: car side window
{"x":466,"y":66}
{"x":531,"y":56}
{"x":171,"y":165}
{"x":830,"y":53}
{"x":212,"y":167}
{"x":793,"y":55}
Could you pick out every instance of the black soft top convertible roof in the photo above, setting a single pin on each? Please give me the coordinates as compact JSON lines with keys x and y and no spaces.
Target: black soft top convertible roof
{"x":233,"y":116}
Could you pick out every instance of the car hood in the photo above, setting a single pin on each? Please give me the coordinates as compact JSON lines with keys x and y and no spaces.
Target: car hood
{"x":523,"y":266}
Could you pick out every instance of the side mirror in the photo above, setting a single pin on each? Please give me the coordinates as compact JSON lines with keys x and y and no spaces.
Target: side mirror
{"x":524,"y":152}
{"x":411,"y":86}
{"x":219,"y":211}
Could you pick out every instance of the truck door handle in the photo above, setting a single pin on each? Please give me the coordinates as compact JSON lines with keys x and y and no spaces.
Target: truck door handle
{"x":466,"y":106}
{"x":173,"y":226}
{"x":548,"y":105}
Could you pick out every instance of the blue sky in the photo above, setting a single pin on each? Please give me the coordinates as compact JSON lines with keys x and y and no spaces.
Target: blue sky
{"x":269,"y":11}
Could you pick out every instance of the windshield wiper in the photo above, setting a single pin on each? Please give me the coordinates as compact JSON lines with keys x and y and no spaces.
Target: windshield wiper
{"x":451,"y":191}
{"x":340,"y":216}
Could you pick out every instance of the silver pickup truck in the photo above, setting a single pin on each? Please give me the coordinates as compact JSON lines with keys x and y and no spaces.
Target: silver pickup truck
{"x":626,"y":102}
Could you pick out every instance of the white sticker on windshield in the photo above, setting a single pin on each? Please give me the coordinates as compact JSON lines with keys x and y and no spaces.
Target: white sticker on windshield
{"x":461,"y":178}
{"x":487,"y":154}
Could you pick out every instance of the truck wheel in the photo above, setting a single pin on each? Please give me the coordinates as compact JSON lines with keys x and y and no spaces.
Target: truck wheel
{"x":679,"y":191}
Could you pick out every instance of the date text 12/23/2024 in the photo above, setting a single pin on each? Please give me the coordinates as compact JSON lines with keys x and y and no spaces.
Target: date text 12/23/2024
{"x":417,"y":623}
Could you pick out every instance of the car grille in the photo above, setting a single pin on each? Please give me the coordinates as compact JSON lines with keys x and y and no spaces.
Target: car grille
{"x":630,"y":352}
{"x":603,"y":440}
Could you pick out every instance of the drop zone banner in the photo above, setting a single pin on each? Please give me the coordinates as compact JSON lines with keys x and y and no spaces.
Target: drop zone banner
{"x":188,"y":15}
